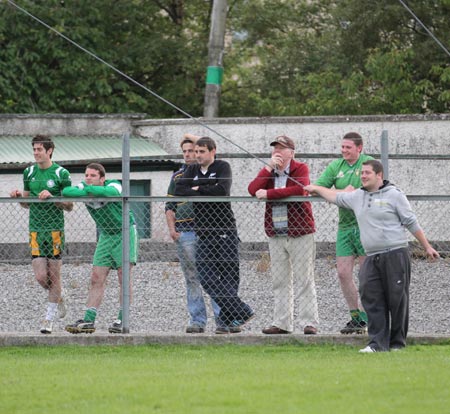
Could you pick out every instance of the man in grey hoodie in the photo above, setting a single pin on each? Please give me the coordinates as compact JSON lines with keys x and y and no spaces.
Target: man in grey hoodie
{"x":383,"y":212}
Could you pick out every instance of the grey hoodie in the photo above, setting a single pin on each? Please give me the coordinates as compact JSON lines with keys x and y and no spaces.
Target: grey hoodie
{"x":382,"y":217}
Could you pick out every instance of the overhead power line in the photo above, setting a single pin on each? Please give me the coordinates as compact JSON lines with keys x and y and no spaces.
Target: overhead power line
{"x":135,"y":82}
{"x":425,"y":28}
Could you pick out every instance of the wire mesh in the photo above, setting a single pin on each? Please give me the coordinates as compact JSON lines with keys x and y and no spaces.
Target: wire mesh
{"x":233,"y":267}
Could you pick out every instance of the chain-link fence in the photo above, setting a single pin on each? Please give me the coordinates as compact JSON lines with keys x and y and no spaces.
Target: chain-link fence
{"x":231,"y":257}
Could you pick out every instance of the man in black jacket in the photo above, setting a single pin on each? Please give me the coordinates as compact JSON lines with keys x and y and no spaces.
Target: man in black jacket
{"x":217,"y":255}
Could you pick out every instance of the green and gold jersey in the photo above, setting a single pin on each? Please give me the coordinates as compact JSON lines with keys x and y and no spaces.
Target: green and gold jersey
{"x":46,"y":216}
{"x":107,"y":215}
{"x":340,"y":174}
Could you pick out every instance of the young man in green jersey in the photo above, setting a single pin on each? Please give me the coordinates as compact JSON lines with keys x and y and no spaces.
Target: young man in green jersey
{"x":345,"y":174}
{"x":108,"y":253}
{"x":45,"y":180}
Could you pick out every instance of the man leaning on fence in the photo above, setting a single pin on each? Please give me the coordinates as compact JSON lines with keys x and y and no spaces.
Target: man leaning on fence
{"x":108,"y":252}
{"x":180,"y":221}
{"x":383,"y":213}
{"x":345,"y":174}
{"x":45,"y":180}
{"x":290,"y":228}
{"x":217,"y":254}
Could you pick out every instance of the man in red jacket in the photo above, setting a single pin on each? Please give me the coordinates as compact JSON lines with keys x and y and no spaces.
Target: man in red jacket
{"x":290,"y":228}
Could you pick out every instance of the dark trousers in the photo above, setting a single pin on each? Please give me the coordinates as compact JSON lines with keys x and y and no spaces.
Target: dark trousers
{"x":384,"y":288}
{"x":217,"y":262}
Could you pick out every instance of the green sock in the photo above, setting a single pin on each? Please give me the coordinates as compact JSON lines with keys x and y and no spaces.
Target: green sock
{"x":120,"y":315}
{"x":90,"y":314}
{"x":355,"y":314}
{"x":363,"y":316}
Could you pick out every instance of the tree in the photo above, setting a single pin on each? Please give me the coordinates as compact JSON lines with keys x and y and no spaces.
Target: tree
{"x":161,"y":44}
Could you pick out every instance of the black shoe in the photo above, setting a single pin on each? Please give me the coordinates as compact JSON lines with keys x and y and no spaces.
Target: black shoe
{"x":81,"y":326}
{"x":355,"y":327}
{"x":195,"y":329}
{"x":274,"y":330}
{"x":228,"y":330}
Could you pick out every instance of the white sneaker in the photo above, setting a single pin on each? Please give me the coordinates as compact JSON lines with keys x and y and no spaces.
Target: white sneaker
{"x":46,"y":327}
{"x":62,"y":309}
{"x":367,"y":350}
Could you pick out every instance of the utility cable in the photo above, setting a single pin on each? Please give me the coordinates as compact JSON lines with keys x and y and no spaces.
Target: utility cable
{"x":140,"y":85}
{"x":425,"y":28}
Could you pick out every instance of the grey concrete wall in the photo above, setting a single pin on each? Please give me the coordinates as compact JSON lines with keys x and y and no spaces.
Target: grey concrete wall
{"x":416,"y":135}
{"x":66,"y":124}
{"x":408,"y":135}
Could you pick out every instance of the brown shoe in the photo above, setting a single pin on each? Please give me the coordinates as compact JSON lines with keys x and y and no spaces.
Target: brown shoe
{"x":274,"y":330}
{"x":310,"y":330}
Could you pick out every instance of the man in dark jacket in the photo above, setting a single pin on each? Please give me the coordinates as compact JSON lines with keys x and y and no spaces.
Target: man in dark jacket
{"x":290,"y":227}
{"x":217,"y":254}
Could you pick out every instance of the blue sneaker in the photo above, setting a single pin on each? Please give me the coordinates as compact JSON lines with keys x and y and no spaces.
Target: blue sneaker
{"x":238,"y":323}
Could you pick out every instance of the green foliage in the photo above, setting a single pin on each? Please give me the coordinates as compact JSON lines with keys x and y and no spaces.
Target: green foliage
{"x":282,"y":57}
{"x":349,"y":57}
{"x":40,"y":72}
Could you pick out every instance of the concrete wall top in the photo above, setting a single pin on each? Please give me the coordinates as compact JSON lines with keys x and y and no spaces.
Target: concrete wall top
{"x":67,"y":124}
{"x":408,"y":134}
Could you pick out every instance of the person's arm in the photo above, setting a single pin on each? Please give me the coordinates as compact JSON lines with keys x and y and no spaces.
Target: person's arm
{"x":261,"y":182}
{"x":409,"y":220}
{"x":19,"y":194}
{"x":295,"y":185}
{"x":184,"y":184}
{"x":111,"y":190}
{"x":66,"y":181}
{"x":420,"y":236}
{"x":328,"y":177}
{"x":170,"y":211}
{"x":75,"y":192}
{"x":222,"y":183}
{"x":170,"y":218}
{"x":326,"y":193}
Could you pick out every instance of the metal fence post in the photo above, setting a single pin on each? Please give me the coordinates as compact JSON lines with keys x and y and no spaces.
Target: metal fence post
{"x":385,"y":153}
{"x":126,"y":233}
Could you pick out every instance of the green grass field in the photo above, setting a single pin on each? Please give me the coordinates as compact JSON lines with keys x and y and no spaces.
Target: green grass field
{"x":224,"y":379}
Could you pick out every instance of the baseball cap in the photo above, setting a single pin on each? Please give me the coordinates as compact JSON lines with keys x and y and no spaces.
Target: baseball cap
{"x":284,"y":141}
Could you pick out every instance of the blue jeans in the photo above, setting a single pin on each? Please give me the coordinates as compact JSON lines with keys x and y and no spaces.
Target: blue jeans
{"x":186,"y":247}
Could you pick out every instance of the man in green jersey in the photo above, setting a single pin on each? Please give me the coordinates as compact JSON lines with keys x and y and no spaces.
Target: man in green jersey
{"x":108,"y":253}
{"x":345,"y":174}
{"x":45,"y":180}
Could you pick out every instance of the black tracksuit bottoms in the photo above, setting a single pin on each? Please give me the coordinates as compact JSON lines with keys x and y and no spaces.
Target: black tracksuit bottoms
{"x":384,"y":289}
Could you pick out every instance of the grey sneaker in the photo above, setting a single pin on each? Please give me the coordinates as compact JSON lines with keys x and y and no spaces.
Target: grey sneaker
{"x":62,"y":308}
{"x":115,"y":327}
{"x":46,"y":327}
{"x":81,"y":326}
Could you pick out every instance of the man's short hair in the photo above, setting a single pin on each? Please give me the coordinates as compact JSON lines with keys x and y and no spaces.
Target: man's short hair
{"x":206,"y":142}
{"x":98,"y":167}
{"x":355,"y":137}
{"x":188,"y":139}
{"x":376,"y":166}
{"x":46,"y":142}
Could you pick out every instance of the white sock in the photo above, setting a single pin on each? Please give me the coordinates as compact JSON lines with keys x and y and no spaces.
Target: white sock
{"x":52,"y":308}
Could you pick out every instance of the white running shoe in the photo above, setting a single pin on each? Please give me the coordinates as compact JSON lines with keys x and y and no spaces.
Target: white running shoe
{"x":46,"y":327}
{"x":62,"y":308}
{"x":367,"y":350}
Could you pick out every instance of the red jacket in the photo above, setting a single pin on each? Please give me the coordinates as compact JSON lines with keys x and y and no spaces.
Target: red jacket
{"x":300,"y":216}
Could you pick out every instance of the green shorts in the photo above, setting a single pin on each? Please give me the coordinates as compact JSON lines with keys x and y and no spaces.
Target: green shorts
{"x":348,"y":243}
{"x":108,"y":252}
{"x":48,"y":244}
